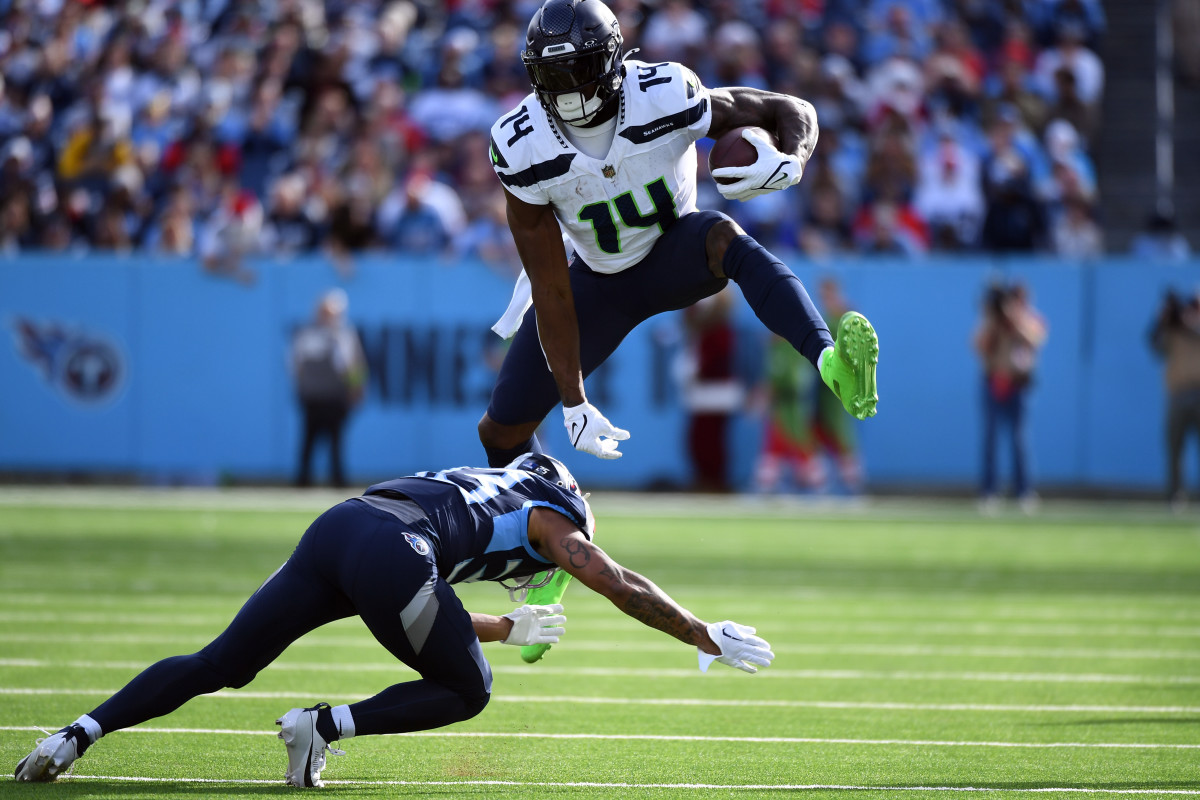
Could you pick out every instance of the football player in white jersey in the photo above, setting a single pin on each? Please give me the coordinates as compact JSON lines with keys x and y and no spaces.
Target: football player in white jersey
{"x":604,"y":148}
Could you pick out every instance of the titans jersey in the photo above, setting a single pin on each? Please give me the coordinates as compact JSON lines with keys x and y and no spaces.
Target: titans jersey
{"x":479,"y":518}
{"x":615,"y":208}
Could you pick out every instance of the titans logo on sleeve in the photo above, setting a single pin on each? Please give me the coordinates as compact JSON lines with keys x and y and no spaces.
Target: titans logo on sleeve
{"x":480,"y":518}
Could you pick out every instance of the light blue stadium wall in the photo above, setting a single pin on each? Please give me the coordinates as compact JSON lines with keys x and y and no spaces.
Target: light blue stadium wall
{"x":205,"y":392}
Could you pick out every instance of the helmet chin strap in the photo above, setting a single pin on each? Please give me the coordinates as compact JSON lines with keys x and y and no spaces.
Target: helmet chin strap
{"x":518,"y":592}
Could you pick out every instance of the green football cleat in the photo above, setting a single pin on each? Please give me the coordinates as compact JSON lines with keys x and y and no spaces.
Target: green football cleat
{"x":850,"y":369}
{"x":546,"y":595}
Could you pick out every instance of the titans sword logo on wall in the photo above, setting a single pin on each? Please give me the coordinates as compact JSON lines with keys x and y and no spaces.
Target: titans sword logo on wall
{"x":84,"y":366}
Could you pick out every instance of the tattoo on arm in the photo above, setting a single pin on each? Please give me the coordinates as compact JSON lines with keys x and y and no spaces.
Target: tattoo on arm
{"x":576,"y":551}
{"x":650,"y":606}
{"x":634,"y":594}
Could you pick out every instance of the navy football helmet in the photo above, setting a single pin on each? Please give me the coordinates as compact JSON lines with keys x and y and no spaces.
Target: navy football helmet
{"x":549,"y":468}
{"x":573,"y":54}
{"x":556,"y":472}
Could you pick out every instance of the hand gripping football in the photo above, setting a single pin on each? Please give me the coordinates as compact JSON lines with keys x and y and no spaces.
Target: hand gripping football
{"x":731,"y":150}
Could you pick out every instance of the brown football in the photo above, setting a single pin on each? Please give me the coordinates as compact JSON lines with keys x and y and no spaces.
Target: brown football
{"x":731,"y":150}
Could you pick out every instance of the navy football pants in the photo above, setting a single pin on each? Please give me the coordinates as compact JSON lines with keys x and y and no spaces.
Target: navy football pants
{"x":354,"y":559}
{"x":673,"y":276}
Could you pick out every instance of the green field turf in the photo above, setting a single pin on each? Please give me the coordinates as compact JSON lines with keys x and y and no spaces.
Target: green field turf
{"x":922,"y":652}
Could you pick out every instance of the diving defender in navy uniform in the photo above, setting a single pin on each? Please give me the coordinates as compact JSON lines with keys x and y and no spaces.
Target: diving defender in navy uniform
{"x":390,"y":557}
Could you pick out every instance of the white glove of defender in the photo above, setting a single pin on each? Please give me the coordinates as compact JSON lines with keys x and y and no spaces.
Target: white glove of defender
{"x":739,"y":647}
{"x":771,"y":172}
{"x":591,"y":432}
{"x":535,"y":625}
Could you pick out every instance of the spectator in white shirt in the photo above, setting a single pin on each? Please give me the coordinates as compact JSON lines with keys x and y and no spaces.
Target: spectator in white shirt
{"x":1083,"y":63}
{"x":949,"y":193}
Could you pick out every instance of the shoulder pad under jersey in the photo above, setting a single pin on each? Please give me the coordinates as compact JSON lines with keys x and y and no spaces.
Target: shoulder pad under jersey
{"x":526,"y":151}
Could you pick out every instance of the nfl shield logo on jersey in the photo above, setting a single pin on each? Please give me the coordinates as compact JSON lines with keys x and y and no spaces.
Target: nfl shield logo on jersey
{"x":418,"y":544}
{"x":608,"y":171}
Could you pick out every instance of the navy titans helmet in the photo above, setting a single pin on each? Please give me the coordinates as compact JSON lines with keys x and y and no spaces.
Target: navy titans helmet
{"x":549,"y":468}
{"x":556,"y":472}
{"x":573,"y":53}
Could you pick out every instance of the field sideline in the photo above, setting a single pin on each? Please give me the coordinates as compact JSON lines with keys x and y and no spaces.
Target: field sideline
{"x":922,"y":651}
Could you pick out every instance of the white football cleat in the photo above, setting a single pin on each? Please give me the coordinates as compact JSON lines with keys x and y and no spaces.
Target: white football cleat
{"x":53,"y":755}
{"x":305,"y":746}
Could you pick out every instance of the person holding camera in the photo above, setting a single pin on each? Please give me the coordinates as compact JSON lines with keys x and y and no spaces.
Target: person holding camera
{"x":1176,"y":337}
{"x":1007,"y":341}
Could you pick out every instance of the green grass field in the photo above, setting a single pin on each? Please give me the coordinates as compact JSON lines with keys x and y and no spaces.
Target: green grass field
{"x":922,"y":651}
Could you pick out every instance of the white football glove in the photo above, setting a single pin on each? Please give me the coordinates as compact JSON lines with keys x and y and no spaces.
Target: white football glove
{"x":771,"y":172}
{"x":536,"y":625}
{"x":739,"y":647}
{"x":591,"y":432}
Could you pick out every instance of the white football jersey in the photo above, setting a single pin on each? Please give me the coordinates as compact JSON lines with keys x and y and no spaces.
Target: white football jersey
{"x":613,"y":208}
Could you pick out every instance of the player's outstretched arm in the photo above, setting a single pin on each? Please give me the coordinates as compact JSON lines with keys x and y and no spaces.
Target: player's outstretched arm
{"x":557,"y":538}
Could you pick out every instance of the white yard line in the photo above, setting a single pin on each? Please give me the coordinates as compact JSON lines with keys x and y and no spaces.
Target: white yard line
{"x":957,"y":629}
{"x":241,"y":694}
{"x":989,"y":630}
{"x":875,"y":613}
{"x":647,"y":737}
{"x":319,"y":640}
{"x":731,"y":787}
{"x":165,"y":618}
{"x":1156,"y":654}
{"x":635,"y":672}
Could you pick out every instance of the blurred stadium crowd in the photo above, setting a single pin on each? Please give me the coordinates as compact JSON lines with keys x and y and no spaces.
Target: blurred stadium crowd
{"x":221,"y":129}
